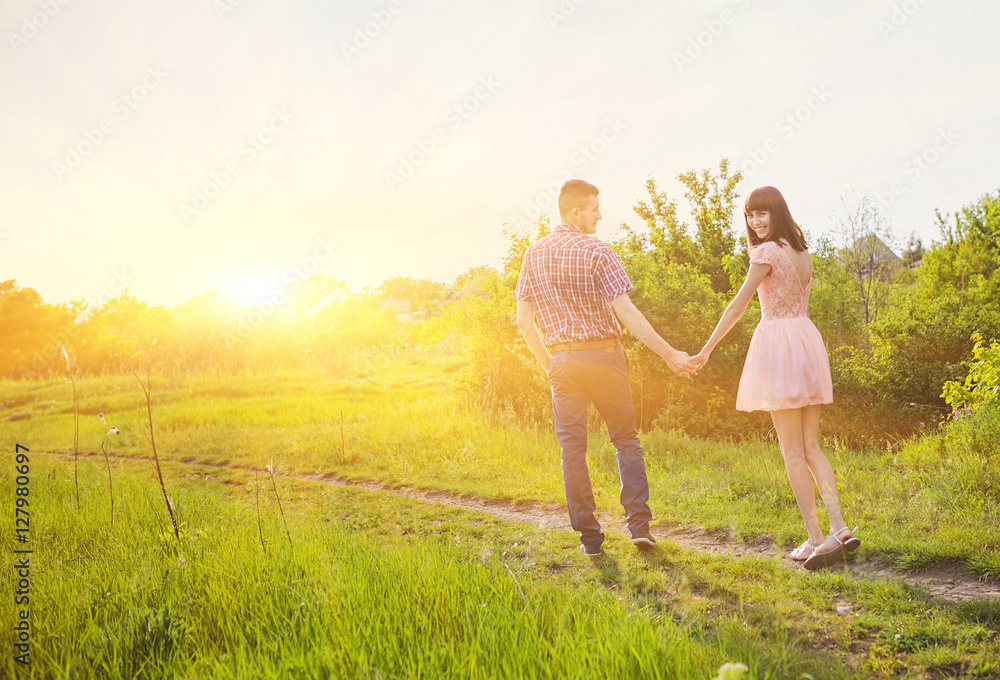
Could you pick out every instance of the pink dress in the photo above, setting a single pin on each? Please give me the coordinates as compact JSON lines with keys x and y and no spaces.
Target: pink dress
{"x":786,"y":365}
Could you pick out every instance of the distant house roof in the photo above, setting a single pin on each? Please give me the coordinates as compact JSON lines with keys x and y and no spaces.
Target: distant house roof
{"x":402,"y":308}
{"x":879,"y":250}
{"x":871,"y":255}
{"x":398,"y":306}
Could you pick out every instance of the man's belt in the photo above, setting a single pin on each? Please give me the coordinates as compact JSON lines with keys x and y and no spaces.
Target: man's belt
{"x":609,"y":343}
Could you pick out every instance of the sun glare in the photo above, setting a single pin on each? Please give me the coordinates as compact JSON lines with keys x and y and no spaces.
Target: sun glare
{"x":248,"y":290}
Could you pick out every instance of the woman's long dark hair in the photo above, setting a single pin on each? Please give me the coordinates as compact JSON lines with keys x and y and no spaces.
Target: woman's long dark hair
{"x":782,"y":224}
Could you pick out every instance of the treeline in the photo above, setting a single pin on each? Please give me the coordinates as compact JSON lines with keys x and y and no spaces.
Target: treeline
{"x":897,"y":329}
{"x":318,"y":322}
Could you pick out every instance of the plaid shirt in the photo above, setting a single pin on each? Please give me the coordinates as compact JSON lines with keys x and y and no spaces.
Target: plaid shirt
{"x":570,"y":279}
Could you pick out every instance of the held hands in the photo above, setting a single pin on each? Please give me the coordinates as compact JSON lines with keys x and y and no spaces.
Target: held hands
{"x":682,"y":364}
{"x":700,"y":359}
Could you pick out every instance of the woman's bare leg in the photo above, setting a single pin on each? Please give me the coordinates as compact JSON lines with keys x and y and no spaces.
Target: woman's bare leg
{"x":789,"y":425}
{"x":821,"y":469}
{"x":826,"y":481}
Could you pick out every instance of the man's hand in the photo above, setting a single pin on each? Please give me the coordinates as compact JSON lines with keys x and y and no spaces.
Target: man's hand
{"x":637,"y":324}
{"x":526,"y":322}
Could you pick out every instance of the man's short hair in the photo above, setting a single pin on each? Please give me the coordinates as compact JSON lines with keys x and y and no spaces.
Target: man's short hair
{"x":574,"y":194}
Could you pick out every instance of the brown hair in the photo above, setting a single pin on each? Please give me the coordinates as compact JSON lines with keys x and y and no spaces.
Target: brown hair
{"x":574,"y":194}
{"x":782,"y":224}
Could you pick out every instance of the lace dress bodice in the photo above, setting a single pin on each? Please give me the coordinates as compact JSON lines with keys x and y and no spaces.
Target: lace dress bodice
{"x":781,"y":294}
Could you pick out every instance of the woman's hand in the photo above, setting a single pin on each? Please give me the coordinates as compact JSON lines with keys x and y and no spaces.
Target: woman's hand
{"x":701,"y":358}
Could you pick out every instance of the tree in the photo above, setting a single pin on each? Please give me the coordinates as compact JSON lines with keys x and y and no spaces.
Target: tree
{"x":979,"y":222}
{"x":712,"y":251}
{"x":475,"y":281}
{"x":920,"y":338}
{"x":519,"y":240}
{"x":712,"y":199}
{"x":972,"y":242}
{"x":424,"y":295}
{"x":668,"y":237}
{"x":318,"y":290}
{"x":33,"y":331}
{"x":502,"y":376}
{"x":914,"y":252}
{"x":834,"y":304}
{"x":866,"y":250}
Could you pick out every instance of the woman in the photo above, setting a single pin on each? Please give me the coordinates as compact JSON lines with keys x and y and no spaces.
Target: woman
{"x":787,"y":372}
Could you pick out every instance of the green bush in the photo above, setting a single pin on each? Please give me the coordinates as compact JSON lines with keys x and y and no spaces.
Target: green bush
{"x":982,"y":384}
{"x":978,"y":433}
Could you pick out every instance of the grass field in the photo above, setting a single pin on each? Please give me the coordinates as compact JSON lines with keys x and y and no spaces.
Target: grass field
{"x":922,"y":503}
{"x":372,"y":585}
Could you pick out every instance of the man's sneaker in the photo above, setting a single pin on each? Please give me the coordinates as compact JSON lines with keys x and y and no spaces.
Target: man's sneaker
{"x":592,"y":552}
{"x":643,"y":539}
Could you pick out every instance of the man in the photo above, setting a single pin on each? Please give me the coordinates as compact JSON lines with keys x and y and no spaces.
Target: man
{"x":577,"y":289}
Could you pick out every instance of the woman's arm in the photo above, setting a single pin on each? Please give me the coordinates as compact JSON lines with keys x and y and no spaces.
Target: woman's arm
{"x":734,"y":312}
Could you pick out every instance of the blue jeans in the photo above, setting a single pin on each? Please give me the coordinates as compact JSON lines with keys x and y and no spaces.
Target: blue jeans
{"x":601,"y":376}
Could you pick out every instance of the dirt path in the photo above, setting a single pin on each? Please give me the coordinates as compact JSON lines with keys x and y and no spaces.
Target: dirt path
{"x":951,"y":582}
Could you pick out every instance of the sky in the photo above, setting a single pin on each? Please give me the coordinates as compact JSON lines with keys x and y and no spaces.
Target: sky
{"x":168,"y":148}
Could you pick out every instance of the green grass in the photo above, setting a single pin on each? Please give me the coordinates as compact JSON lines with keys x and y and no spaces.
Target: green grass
{"x":373,"y":585}
{"x":355,"y":594}
{"x":927,"y":501}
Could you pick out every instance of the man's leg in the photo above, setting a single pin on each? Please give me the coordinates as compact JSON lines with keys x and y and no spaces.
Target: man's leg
{"x":569,"y":407}
{"x":612,"y":396}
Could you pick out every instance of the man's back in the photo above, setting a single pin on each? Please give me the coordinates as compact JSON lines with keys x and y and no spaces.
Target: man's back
{"x":571,"y":278}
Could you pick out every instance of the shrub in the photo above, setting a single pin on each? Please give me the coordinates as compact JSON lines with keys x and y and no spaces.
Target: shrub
{"x":982,"y":383}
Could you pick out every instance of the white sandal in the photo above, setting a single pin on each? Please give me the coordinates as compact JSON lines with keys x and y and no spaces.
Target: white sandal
{"x":837,"y":554}
{"x":803,"y":552}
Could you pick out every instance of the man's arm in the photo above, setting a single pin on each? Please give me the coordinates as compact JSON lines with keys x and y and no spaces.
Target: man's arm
{"x":526,"y":322}
{"x":632,"y":319}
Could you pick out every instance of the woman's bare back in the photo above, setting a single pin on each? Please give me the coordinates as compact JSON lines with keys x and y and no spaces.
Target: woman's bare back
{"x":801,"y":260}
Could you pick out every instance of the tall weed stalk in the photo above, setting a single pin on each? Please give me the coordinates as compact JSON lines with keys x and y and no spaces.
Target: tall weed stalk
{"x":270,"y":469}
{"x":71,"y":370}
{"x":146,"y":386}
{"x":107,"y":459}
